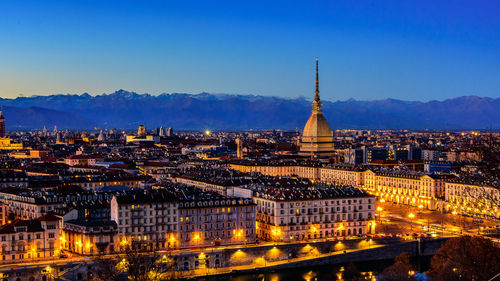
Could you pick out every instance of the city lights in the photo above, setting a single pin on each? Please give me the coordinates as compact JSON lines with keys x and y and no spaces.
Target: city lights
{"x":199,"y":141}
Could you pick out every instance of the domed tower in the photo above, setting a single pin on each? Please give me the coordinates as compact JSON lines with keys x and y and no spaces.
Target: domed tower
{"x":141,"y":131}
{"x":317,"y":137}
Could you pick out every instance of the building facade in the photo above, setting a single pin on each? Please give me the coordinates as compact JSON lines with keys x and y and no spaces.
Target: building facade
{"x":215,"y":222}
{"x":314,"y":214}
{"x":150,"y":217}
{"x":30,"y":240}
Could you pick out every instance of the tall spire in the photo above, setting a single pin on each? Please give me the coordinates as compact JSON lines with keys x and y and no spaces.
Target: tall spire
{"x":317,"y":82}
{"x":317,"y":102}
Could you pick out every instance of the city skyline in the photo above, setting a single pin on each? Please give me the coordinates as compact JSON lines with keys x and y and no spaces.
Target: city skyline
{"x":258,"y":141}
{"x":369,"y":51}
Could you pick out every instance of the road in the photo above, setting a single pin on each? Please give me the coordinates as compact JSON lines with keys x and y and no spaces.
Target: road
{"x":402,"y":219}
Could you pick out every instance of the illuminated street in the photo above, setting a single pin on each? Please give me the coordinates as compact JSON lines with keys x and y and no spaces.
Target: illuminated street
{"x":395,"y":219}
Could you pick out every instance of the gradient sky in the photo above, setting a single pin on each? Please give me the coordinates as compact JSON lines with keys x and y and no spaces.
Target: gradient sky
{"x":412,"y":50}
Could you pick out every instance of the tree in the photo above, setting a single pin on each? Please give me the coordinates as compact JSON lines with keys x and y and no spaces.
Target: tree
{"x":139,"y":261}
{"x":400,"y":270}
{"x":106,"y":269}
{"x":466,"y":258}
{"x":351,"y":273}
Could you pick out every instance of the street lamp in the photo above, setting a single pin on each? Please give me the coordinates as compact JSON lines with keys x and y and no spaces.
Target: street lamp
{"x":379,"y":209}
{"x":411,"y":216}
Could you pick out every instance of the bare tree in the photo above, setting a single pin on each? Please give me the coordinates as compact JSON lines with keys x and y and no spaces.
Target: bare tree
{"x":400,"y":270}
{"x":139,"y":261}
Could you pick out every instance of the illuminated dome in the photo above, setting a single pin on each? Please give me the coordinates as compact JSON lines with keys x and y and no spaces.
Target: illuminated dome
{"x":317,"y":126}
{"x":317,"y":137}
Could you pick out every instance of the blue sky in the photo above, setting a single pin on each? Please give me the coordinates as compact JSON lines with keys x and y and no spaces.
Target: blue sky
{"x":412,"y":50}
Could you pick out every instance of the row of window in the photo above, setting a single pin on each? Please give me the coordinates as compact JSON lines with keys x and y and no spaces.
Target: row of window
{"x":21,"y":236}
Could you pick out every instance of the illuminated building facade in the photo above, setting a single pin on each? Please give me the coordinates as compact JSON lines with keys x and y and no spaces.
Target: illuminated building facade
{"x":414,"y":189}
{"x":239,"y":148}
{"x":6,"y":144}
{"x":89,"y":237}
{"x":28,"y":240}
{"x":217,"y":221}
{"x":472,"y":199}
{"x":314,"y":213}
{"x":149,"y":217}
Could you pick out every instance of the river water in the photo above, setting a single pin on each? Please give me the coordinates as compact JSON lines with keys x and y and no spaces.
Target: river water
{"x":318,"y":273}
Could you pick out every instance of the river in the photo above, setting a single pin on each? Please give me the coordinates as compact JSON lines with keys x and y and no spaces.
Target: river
{"x":318,"y":273}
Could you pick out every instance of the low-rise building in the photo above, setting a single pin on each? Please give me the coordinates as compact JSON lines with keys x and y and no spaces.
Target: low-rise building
{"x":29,"y":240}
{"x":9,"y":178}
{"x":82,"y":159}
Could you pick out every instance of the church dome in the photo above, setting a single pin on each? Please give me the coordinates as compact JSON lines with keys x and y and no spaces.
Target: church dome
{"x":317,"y":137}
{"x":317,"y":126}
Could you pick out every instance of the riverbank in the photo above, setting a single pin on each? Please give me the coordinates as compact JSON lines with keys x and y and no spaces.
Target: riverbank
{"x":379,"y":252}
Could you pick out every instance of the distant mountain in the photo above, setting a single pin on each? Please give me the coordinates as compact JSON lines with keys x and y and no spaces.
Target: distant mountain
{"x":123,"y":109}
{"x":18,"y":118}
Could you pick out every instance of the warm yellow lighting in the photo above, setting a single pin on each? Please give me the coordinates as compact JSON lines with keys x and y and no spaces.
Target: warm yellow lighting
{"x":261,"y":261}
{"x":420,"y":206}
{"x":207,"y":132}
{"x":122,"y":266}
{"x":239,"y":254}
{"x":276,"y":231}
{"x":124,"y":241}
{"x":382,"y":200}
{"x":379,"y":209}
{"x":339,"y":246}
{"x":411,"y":215}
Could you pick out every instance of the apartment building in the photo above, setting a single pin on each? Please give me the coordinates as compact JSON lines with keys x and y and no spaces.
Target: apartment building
{"x":147,"y":216}
{"x":30,"y":240}
{"x":472,"y":198}
{"x":215,"y":220}
{"x":304,"y":212}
